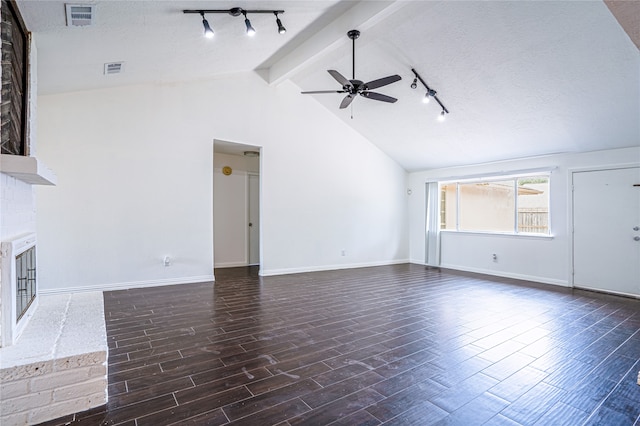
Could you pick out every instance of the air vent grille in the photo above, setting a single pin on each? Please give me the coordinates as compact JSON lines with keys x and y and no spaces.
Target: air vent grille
{"x":113,"y":68}
{"x":80,"y":15}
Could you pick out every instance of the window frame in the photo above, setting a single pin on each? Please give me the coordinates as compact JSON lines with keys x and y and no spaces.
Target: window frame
{"x":497,"y":178}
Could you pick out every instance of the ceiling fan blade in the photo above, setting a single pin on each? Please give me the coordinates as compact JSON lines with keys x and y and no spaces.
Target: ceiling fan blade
{"x":340,"y":78}
{"x":346,"y":101}
{"x":382,"y":82}
{"x":378,"y":97}
{"x":323,"y":91}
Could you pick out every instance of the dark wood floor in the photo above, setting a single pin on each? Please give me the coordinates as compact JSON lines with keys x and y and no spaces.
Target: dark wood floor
{"x":394,"y":345}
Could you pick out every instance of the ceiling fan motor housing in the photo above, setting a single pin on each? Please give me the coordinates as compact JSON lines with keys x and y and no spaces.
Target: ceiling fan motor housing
{"x":356,"y":85}
{"x":353,"y":34}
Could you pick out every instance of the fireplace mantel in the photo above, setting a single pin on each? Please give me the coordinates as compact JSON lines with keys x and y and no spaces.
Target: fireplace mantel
{"x":27,"y":169}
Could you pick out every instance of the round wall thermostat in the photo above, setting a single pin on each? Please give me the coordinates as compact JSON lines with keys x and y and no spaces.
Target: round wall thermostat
{"x":226,"y":170}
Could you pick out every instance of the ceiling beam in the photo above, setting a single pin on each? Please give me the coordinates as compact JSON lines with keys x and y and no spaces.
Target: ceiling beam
{"x":363,"y":15}
{"x":628,"y":15}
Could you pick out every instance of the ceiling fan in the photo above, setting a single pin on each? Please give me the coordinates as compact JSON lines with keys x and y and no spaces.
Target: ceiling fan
{"x":355,"y":87}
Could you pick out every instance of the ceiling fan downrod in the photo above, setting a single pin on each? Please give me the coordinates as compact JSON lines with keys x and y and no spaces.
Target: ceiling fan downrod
{"x":353,"y":35}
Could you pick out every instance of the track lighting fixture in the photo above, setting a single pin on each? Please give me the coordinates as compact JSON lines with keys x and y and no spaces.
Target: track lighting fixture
{"x":250,"y":30}
{"x":208,"y":31}
{"x":281,"y":28}
{"x":236,"y":11}
{"x":429,"y":94}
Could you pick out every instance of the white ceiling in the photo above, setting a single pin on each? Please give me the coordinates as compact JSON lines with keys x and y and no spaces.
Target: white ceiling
{"x":520,"y":79}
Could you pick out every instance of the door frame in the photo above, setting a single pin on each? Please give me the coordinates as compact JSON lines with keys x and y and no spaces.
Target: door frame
{"x":237,"y":148}
{"x":570,"y":226}
{"x":248,"y":218}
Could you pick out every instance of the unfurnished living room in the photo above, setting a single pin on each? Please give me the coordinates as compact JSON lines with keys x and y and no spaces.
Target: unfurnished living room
{"x":339,"y":212}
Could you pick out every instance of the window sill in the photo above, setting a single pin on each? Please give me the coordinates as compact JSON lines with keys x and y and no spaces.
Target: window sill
{"x":501,"y":234}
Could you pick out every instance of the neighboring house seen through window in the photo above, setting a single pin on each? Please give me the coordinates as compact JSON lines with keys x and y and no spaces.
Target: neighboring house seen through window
{"x":514,"y":204}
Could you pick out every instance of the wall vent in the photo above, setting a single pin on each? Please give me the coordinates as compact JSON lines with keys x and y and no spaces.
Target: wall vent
{"x":80,"y":15}
{"x":113,"y":68}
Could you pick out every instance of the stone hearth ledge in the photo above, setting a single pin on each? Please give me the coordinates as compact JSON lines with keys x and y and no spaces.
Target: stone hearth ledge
{"x":59,"y":364}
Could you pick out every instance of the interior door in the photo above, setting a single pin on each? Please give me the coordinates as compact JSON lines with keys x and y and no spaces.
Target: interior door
{"x":254,"y":219}
{"x":606,"y":230}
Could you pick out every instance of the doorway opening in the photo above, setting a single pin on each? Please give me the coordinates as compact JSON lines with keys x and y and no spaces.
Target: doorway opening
{"x":236,"y":205}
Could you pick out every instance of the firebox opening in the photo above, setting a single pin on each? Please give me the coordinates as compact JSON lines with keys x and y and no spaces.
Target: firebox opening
{"x":25,"y":281}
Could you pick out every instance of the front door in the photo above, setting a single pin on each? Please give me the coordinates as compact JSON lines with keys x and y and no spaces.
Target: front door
{"x":606,"y":230}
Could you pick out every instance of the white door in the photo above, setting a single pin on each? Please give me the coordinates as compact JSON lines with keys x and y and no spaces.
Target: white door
{"x":606,"y":230}
{"x":254,"y":219}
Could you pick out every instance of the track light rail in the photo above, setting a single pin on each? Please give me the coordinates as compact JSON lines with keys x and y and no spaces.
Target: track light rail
{"x":430,"y":91}
{"x":236,"y":11}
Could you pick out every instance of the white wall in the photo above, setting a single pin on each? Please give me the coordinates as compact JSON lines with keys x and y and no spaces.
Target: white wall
{"x":545,"y":260}
{"x":135,"y":168}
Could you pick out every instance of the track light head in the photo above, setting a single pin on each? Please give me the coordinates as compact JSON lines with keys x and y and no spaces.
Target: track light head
{"x":281,"y":28}
{"x":414,"y":85}
{"x":427,"y":96}
{"x":442,"y":116}
{"x":208,"y":31}
{"x":250,"y":30}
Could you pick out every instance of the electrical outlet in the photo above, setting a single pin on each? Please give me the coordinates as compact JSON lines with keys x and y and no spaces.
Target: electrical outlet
{"x":343,"y":252}
{"x":166,"y":261}
{"x":494,"y":257}
{"x":639,"y":378}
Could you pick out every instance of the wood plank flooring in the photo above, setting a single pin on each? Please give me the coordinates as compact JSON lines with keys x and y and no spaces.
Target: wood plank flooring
{"x":392,"y":345}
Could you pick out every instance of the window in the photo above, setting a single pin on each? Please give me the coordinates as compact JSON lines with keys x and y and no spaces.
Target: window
{"x":15,"y":42}
{"x":513,"y":204}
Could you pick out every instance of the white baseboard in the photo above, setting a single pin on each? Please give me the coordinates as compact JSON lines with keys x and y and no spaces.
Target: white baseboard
{"x":230,"y":265}
{"x":286,"y":271}
{"x":128,"y":285}
{"x":543,"y":280}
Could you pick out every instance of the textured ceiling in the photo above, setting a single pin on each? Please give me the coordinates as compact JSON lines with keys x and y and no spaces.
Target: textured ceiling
{"x":520,"y":79}
{"x":157,"y":41}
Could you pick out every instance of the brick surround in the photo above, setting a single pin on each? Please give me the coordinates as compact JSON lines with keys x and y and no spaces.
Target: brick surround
{"x":59,"y":364}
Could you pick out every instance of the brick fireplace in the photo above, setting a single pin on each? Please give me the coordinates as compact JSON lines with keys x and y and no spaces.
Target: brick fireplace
{"x":53,"y":357}
{"x":18,"y":260}
{"x":53,"y":350}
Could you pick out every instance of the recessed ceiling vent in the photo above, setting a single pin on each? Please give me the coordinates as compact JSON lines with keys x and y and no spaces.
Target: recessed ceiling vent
{"x":113,"y":68}
{"x":80,"y":15}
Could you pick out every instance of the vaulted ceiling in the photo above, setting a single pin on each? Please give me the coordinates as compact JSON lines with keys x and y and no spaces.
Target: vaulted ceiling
{"x":520,"y":79}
